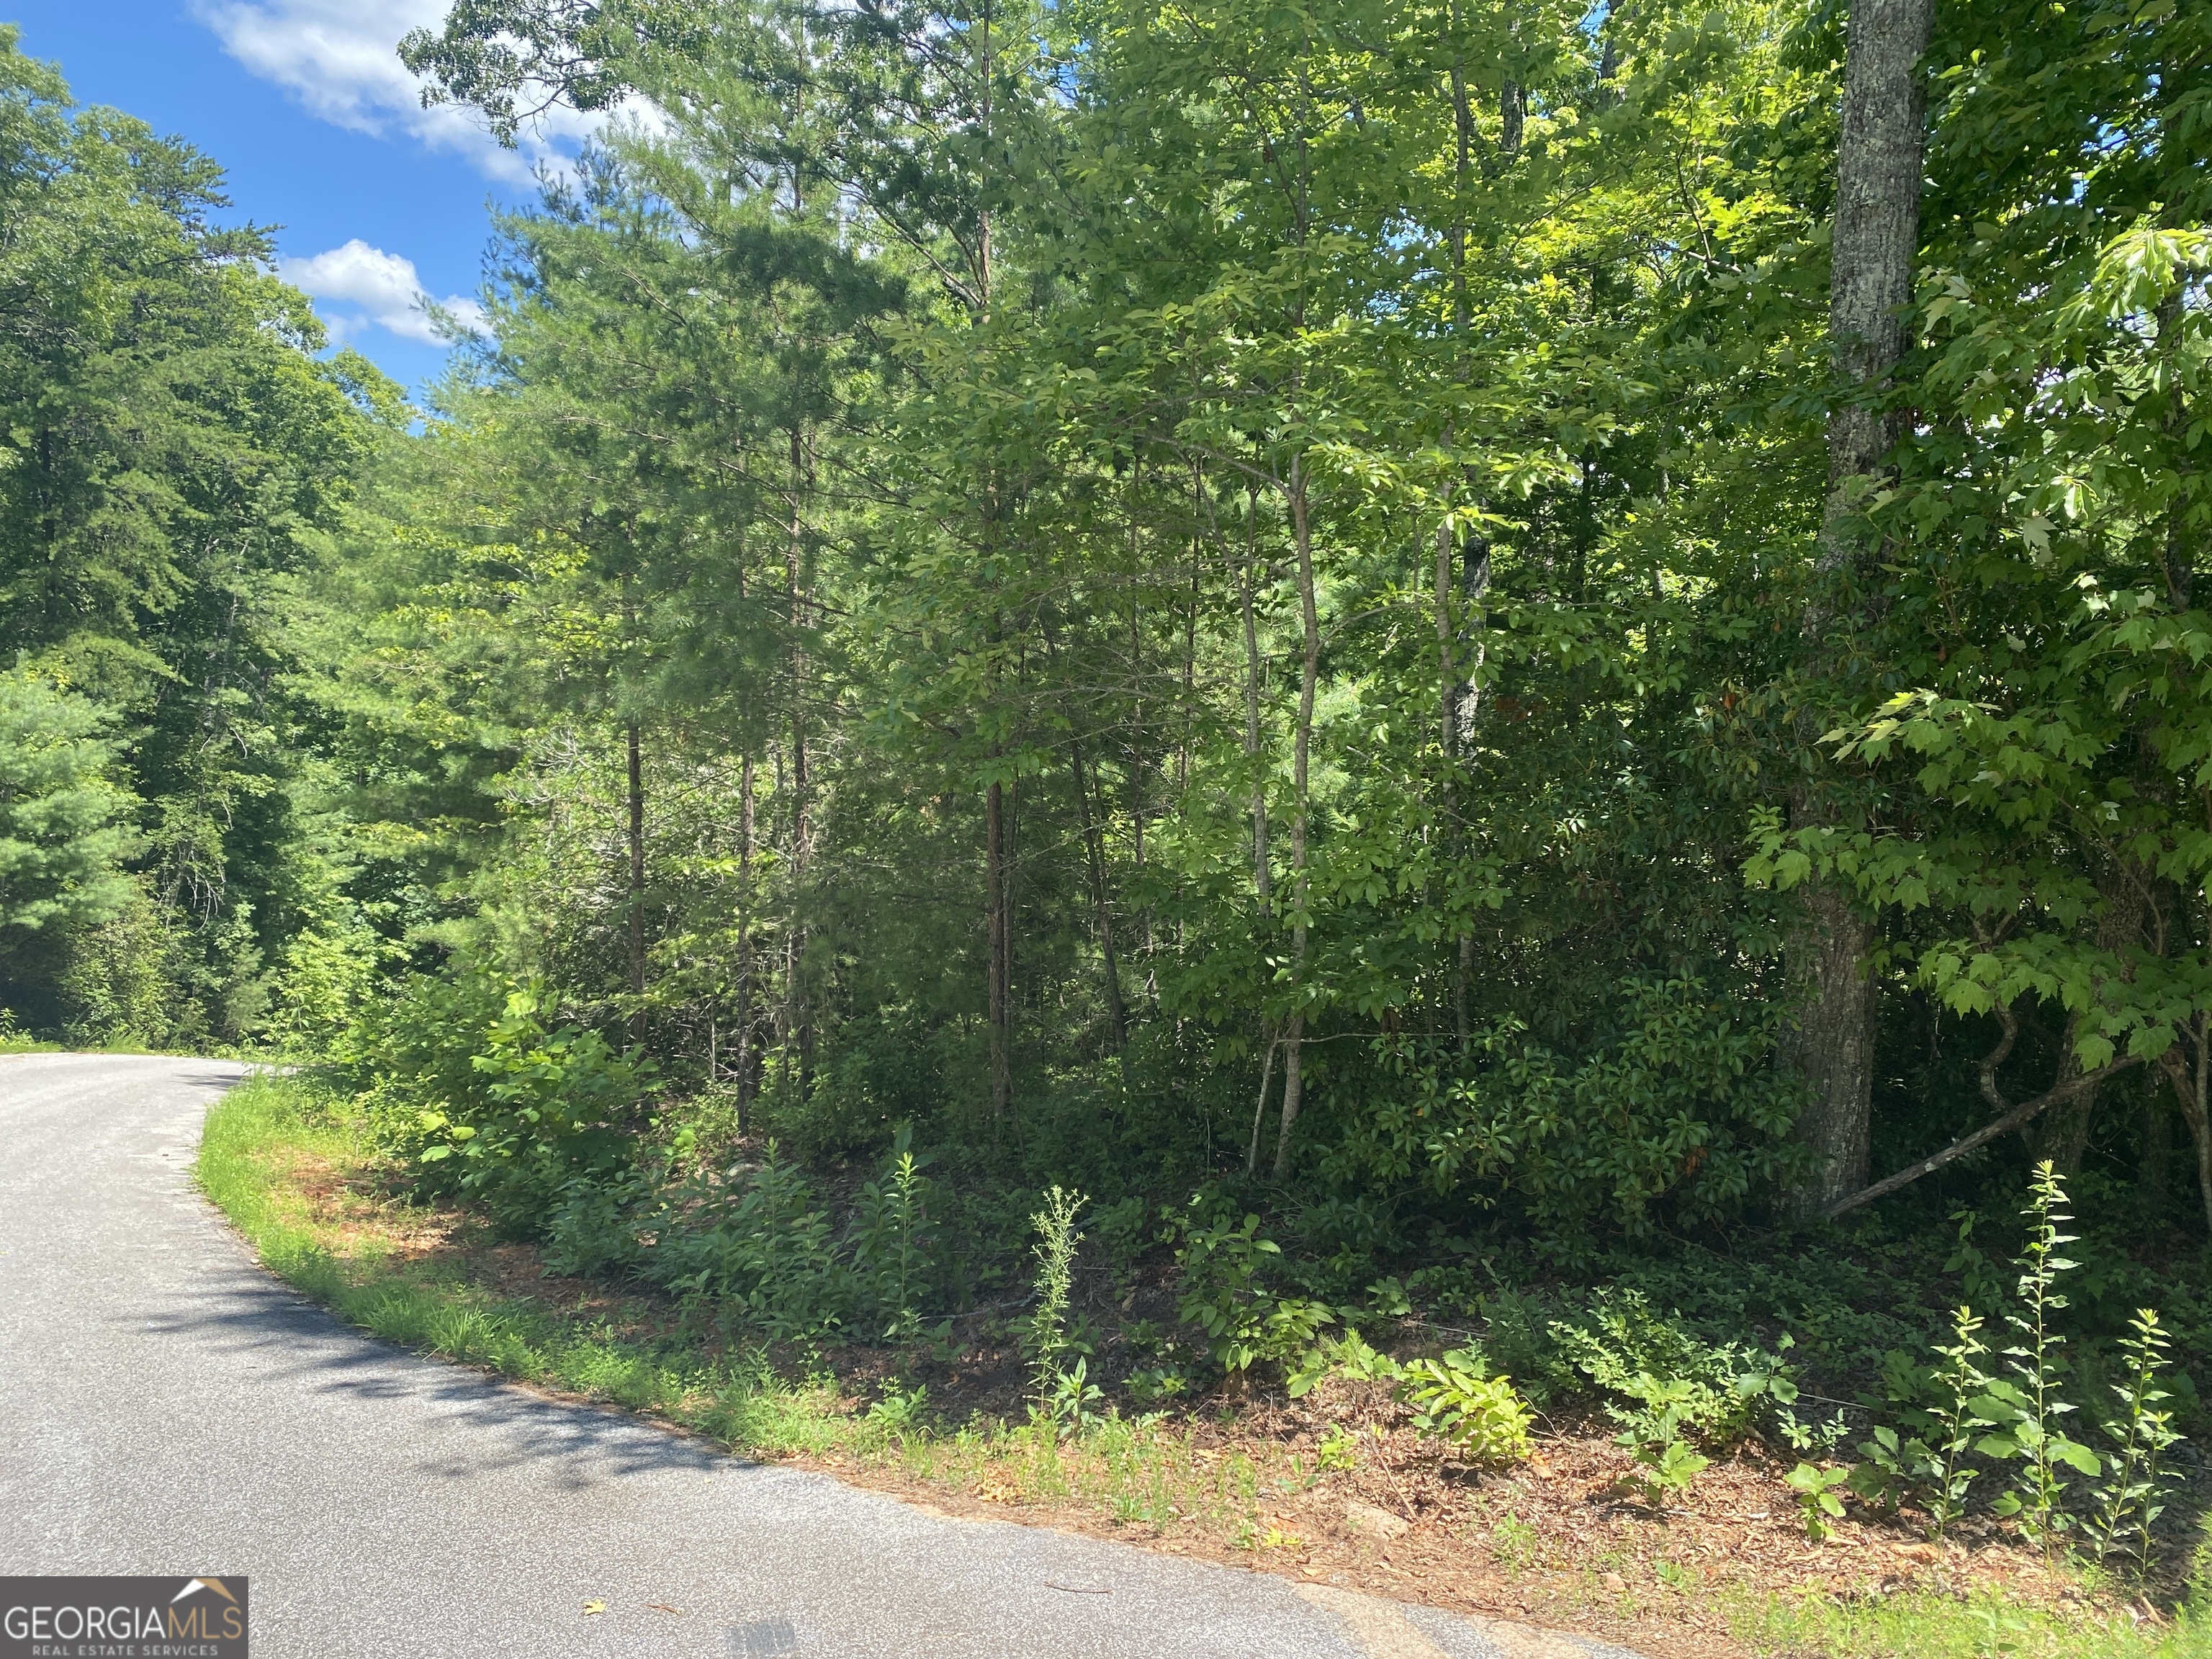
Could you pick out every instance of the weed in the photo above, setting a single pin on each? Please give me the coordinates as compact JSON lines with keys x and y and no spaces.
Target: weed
{"x":892,"y":1235}
{"x":2033,"y":1435}
{"x":1056,"y":1256}
{"x":1223,"y":1295}
{"x":1156,"y":1384}
{"x":1339,"y":1449}
{"x":1346,"y":1356}
{"x":1963,"y":1381}
{"x":1666,"y":1464}
{"x":1630,"y":1351}
{"x":1513,"y":1542}
{"x":2132,"y":1496}
{"x":896,"y":1415}
{"x":1818,"y":1503}
{"x":1073,"y":1404}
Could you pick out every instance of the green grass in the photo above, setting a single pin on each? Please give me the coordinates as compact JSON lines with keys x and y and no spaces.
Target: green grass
{"x":261,"y":1134}
{"x":1920,"y":1625}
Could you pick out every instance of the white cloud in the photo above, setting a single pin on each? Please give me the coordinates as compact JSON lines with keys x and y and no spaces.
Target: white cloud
{"x":382,"y":288}
{"x":340,"y":59}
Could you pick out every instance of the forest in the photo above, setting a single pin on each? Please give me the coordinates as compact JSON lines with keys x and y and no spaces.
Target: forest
{"x":1438,"y":653}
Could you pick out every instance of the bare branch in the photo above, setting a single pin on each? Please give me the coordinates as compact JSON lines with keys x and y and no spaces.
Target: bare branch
{"x":2010,"y":1117}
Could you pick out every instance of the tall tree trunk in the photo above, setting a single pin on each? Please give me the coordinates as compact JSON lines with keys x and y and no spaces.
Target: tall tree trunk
{"x":1447,"y":667}
{"x":1474,"y":583}
{"x":1190,"y":644}
{"x":1094,"y":845}
{"x":1263,"y":871}
{"x":1137,"y":763}
{"x":799,"y":1022}
{"x":745,"y":1033}
{"x":1267,"y":1045}
{"x":1875,"y":239}
{"x":636,"y":885}
{"x":994,"y":904}
{"x":1301,"y":754}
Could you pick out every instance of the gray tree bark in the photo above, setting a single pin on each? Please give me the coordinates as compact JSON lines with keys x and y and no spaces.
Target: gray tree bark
{"x":1301,"y":796}
{"x":1876,"y":241}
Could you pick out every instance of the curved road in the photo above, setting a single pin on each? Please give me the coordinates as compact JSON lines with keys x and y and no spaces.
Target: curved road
{"x":166,"y":1408}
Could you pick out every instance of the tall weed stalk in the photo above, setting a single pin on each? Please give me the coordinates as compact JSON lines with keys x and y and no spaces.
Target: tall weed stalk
{"x":1964,"y":1382}
{"x":2132,"y":1496}
{"x":1055,"y":1255}
{"x":2035,"y":1436}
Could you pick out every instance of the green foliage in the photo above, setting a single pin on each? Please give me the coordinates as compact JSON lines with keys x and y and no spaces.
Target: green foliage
{"x":1337,"y":1451}
{"x":1054,"y":1250}
{"x":1657,"y":1379}
{"x":174,"y":450}
{"x":892,"y":1236}
{"x":470,"y":1085}
{"x":63,"y":828}
{"x":2136,"y":1480}
{"x":2026,"y":1415}
{"x":759,"y":1248}
{"x":1679,"y":1111}
{"x":1667,"y":1466}
{"x":1818,"y":1503}
{"x":988,"y":622}
{"x":1346,"y":1356}
{"x":1225,"y":1296}
{"x":325,"y":979}
{"x":1956,"y":1420}
{"x":119,"y":977}
{"x":1455,"y":1399}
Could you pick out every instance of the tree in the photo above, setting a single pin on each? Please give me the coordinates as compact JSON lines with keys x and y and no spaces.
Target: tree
{"x":172,"y":449}
{"x":1874,"y":243}
{"x":63,"y":822}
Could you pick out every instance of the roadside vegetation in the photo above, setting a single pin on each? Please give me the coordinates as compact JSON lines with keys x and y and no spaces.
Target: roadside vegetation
{"x":1688,"y":1497}
{"x":1416,"y":789}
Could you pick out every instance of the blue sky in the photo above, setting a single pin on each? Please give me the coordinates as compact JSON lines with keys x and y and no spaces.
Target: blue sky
{"x":303,"y":102}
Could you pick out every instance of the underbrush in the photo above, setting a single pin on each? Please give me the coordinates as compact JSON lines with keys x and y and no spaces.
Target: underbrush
{"x":259,"y":1145}
{"x":1627,"y":1446}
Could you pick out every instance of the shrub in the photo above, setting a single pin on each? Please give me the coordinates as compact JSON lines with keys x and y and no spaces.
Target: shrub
{"x":1677,"y":1106}
{"x":1244,"y":1321}
{"x":472,"y":1087}
{"x":1631,"y":1353}
{"x":1455,"y":1399}
{"x":762,"y":1247}
{"x":323,"y":980}
{"x":891,"y":1235}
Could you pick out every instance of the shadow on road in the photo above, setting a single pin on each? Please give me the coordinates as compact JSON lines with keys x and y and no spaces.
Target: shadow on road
{"x":268,"y":1336}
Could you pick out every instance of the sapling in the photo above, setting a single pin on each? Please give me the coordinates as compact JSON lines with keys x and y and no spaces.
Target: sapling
{"x":1820,"y":1505}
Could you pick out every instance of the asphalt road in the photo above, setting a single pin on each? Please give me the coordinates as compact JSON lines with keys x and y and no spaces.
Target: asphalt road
{"x":166,"y":1408}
